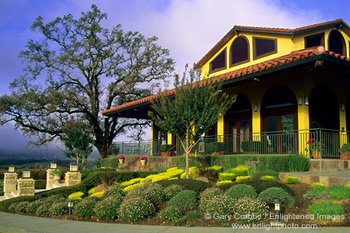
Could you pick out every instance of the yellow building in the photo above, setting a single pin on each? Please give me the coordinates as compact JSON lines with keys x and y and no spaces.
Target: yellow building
{"x":292,"y":87}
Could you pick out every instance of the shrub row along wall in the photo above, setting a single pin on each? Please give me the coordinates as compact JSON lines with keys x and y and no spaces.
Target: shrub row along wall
{"x":92,"y":178}
{"x":277,"y":163}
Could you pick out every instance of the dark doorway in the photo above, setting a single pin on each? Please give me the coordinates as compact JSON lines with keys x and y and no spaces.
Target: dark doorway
{"x":238,"y":124}
{"x":336,"y":42}
{"x":279,"y":116}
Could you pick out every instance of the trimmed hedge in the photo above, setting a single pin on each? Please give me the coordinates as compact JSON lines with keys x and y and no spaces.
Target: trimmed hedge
{"x":108,"y":162}
{"x":187,"y":184}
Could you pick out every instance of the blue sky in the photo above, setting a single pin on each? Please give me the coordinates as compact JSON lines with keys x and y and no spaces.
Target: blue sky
{"x":188,"y":28}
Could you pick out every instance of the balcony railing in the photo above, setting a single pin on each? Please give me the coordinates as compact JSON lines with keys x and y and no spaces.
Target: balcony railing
{"x":314,"y":142}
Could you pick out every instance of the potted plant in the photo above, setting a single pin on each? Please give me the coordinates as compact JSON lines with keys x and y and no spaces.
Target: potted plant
{"x":216,"y":148}
{"x":57,"y":174}
{"x":316,"y":146}
{"x":345,"y":151}
{"x":251,"y":147}
{"x":143,"y":159}
{"x":165,"y":150}
{"x":121,"y":158}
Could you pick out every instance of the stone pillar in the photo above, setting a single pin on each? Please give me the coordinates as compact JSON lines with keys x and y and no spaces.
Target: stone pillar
{"x":10,"y":182}
{"x":49,"y":178}
{"x":72,"y":178}
{"x":26,"y":187}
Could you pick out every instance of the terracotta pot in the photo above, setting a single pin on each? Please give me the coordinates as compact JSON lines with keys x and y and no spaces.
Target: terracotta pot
{"x":316,"y":154}
{"x":121,"y":160}
{"x":165,"y":153}
{"x":218,"y":153}
{"x":143,"y":162}
{"x":250,"y":152}
{"x":345,"y":155}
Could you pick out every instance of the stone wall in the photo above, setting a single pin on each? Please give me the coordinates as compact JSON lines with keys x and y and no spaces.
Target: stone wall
{"x":72,"y":178}
{"x":26,"y":187}
{"x":328,"y":165}
{"x":10,"y":182}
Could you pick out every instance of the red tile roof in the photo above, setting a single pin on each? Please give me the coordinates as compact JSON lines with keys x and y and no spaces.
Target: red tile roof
{"x":236,"y":29}
{"x":292,"y":57}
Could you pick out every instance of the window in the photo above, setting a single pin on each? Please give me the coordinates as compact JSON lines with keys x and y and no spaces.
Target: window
{"x":239,"y":52}
{"x":336,"y":42}
{"x":219,"y":62}
{"x":314,"y":40}
{"x":264,"y":47}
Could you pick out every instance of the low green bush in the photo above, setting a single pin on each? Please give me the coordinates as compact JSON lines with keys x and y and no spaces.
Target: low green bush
{"x":59,"y":209}
{"x":193,"y":216}
{"x":269,"y":178}
{"x":291,"y":180}
{"x":249,"y":210}
{"x":44,"y":209}
{"x":240,"y":179}
{"x":185,"y":200}
{"x":108,"y":208}
{"x":241,"y":190}
{"x":326,"y":210}
{"x":136,"y":209}
{"x":21,"y":207}
{"x":172,"y":190}
{"x":217,"y":204}
{"x":224,"y":183}
{"x":241,"y":170}
{"x":33,"y":206}
{"x":187,"y":184}
{"x":113,"y":190}
{"x":261,"y":185}
{"x":85,"y":208}
{"x":211,"y":192}
{"x":108,"y":162}
{"x":227,"y":176}
{"x":270,"y":195}
{"x":171,"y":213}
{"x":155,"y":193}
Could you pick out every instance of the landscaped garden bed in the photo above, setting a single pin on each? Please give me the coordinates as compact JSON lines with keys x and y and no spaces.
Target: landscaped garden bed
{"x":244,"y":194}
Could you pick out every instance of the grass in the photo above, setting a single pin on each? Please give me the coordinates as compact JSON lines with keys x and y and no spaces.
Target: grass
{"x":333,"y":192}
{"x":326,"y":210}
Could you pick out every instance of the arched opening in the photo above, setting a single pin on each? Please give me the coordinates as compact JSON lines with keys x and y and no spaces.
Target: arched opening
{"x":279,"y":116}
{"x":347,"y":111}
{"x":238,"y":124}
{"x":336,"y":42}
{"x":324,"y":120}
{"x":239,"y":52}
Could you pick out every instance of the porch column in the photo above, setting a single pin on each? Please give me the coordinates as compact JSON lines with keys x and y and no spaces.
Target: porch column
{"x":256,"y":121}
{"x":303,"y":127}
{"x":220,"y":129}
{"x":342,"y":125}
{"x":151,"y":152}
{"x":169,"y":138}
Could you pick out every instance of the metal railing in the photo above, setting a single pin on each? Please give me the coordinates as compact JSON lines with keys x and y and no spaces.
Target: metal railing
{"x":313,"y":142}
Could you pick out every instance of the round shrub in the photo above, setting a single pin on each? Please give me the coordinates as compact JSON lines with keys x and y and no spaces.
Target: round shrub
{"x":275,"y":193}
{"x":210,"y":192}
{"x":44,"y":209}
{"x":12,"y":208}
{"x":154,"y":193}
{"x":21,"y":207}
{"x":249,"y":210}
{"x":219,"y":204}
{"x":185,"y":200}
{"x":241,"y":170}
{"x":53,"y":199}
{"x":171,"y":213}
{"x":172,"y":190}
{"x":108,"y":208}
{"x":187,"y":184}
{"x":59,"y":209}
{"x":114,"y":190}
{"x":241,"y":190}
{"x":34,"y":205}
{"x":291,"y":180}
{"x":136,"y":209}
{"x":85,"y":208}
{"x":272,"y":178}
{"x":261,"y":185}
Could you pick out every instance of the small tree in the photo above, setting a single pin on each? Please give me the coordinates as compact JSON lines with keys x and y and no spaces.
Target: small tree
{"x":191,"y":110}
{"x":77,"y":140}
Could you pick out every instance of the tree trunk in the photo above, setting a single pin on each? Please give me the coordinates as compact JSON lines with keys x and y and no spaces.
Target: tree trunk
{"x":187,"y":157}
{"x":103,"y":151}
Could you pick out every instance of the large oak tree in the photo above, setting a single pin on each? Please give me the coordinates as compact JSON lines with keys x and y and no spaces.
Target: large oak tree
{"x":80,"y":68}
